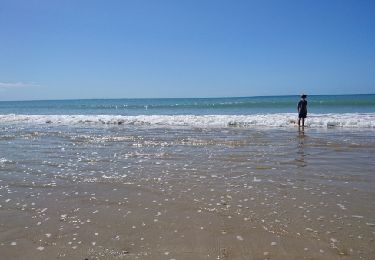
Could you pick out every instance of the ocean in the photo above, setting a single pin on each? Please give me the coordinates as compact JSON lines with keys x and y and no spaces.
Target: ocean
{"x":222,"y":178}
{"x":324,"y":111}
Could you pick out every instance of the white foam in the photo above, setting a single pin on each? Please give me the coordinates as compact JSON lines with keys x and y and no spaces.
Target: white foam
{"x":347,"y":120}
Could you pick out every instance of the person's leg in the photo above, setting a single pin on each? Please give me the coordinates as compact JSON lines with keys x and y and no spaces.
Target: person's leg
{"x":299,"y":121}
{"x":303,"y":121}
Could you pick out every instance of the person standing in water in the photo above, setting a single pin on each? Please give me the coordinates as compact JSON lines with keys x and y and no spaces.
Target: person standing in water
{"x":302,"y":110}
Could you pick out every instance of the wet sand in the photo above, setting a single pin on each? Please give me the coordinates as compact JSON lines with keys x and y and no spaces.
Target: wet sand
{"x":115,"y":193}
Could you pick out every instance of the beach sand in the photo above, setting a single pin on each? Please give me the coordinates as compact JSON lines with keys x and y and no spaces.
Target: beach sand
{"x":114,"y":193}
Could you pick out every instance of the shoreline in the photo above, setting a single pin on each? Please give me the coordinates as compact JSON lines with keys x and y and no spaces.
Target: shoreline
{"x":164,"y":193}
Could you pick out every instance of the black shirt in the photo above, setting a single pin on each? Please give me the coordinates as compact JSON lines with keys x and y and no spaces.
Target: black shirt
{"x":302,"y":106}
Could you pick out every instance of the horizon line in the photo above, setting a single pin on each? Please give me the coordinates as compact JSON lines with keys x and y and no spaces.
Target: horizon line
{"x":217,"y":97}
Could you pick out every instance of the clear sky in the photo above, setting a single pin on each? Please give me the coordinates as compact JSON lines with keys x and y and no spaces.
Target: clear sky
{"x":72,"y":49}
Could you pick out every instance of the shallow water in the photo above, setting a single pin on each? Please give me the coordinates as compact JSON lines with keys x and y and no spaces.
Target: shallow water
{"x":143,"y":192}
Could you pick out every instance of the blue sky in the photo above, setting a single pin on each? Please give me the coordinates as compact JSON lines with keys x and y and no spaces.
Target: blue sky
{"x":74,"y":49}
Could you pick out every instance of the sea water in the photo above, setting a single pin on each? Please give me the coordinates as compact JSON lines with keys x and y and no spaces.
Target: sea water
{"x":187,"y":179}
{"x":324,"y":111}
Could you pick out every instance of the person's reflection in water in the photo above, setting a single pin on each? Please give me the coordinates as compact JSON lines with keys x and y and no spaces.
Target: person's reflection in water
{"x":301,"y":147}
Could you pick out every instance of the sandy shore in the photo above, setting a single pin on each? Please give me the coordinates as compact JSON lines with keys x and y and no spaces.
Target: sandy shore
{"x":254,"y":196}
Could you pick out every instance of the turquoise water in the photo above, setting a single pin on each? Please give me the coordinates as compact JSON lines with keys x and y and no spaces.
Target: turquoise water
{"x":193,"y":106}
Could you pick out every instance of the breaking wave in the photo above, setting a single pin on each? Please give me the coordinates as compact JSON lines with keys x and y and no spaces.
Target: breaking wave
{"x":348,"y":120}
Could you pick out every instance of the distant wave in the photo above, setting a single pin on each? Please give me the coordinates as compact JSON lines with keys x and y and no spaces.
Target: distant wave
{"x":95,"y":106}
{"x":347,"y":120}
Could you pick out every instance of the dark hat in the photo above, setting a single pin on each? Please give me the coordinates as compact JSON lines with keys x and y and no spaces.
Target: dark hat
{"x":303,"y":96}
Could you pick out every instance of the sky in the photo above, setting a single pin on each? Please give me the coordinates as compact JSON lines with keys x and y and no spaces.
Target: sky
{"x":76,"y":49}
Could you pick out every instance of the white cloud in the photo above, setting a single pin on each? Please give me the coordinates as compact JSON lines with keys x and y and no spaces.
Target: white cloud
{"x":5,"y":85}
